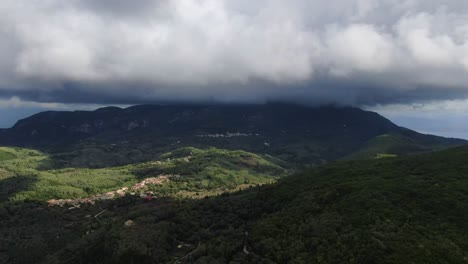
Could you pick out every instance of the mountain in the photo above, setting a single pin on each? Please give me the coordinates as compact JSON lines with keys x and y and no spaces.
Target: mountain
{"x":410,"y":209}
{"x":210,"y":184}
{"x":304,"y":135}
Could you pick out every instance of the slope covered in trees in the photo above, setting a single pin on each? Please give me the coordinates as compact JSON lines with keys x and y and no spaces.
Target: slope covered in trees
{"x":29,"y":174}
{"x":395,"y":210}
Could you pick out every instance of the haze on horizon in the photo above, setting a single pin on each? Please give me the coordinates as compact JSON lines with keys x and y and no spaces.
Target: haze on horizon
{"x":407,"y":60}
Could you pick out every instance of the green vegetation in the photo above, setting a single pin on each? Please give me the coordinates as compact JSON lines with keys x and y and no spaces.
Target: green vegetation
{"x":212,"y":169}
{"x":395,"y":144}
{"x":5,"y":154}
{"x":24,"y":177}
{"x":395,"y":210}
{"x":195,"y":172}
{"x":402,"y":210}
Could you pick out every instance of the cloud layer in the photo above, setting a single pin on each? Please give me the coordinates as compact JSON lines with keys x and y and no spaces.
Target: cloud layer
{"x":360,"y":52}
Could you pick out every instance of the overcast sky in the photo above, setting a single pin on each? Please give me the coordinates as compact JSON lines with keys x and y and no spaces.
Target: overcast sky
{"x":406,"y":59}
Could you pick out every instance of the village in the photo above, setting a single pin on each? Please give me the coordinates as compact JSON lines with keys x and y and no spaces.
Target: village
{"x":139,"y":188}
{"x":228,"y":135}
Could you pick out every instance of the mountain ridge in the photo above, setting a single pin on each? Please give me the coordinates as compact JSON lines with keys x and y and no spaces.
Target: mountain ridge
{"x":302,"y":134}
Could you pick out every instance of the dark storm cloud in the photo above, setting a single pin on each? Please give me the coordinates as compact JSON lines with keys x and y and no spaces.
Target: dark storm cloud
{"x":362,"y":52}
{"x":134,"y":10}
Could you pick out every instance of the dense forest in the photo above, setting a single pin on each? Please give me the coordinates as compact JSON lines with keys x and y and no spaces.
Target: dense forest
{"x":411,"y":209}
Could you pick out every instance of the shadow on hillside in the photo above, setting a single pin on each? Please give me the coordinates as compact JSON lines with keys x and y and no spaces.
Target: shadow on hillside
{"x":36,"y":235}
{"x":11,"y":186}
{"x":101,"y":157}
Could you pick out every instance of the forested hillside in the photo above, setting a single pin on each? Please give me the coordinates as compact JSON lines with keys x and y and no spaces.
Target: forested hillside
{"x":29,"y":175}
{"x":392,"y":210}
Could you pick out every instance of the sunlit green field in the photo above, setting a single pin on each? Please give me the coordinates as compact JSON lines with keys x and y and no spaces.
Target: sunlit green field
{"x":27,"y":174}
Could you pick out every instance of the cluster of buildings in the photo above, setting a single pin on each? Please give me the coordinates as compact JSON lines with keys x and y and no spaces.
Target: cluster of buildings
{"x":140,"y":188}
{"x":228,"y":135}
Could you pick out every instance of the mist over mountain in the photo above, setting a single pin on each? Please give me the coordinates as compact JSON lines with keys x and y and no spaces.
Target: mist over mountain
{"x":80,"y":54}
{"x":358,"y":52}
{"x":233,"y":131}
